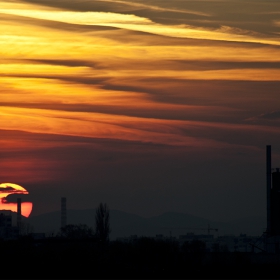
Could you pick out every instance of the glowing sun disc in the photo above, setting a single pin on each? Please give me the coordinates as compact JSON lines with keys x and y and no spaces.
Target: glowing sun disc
{"x":7,"y":189}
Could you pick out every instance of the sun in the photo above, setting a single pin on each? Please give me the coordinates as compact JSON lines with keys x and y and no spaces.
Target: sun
{"x":7,"y":189}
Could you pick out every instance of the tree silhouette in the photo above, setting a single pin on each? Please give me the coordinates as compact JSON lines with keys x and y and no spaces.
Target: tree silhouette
{"x":80,"y":231}
{"x":102,"y":222}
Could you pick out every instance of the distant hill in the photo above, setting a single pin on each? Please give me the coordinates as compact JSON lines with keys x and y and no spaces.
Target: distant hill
{"x":126,"y":224}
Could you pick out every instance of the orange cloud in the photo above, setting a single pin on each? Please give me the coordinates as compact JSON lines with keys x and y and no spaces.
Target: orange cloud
{"x":137,"y":23}
{"x":63,"y":73}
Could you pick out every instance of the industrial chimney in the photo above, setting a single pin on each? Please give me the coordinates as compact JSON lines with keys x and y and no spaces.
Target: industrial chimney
{"x":268,"y":188}
{"x":275,"y":204}
{"x":19,"y":214}
{"x":273,"y":197}
{"x":63,"y":212}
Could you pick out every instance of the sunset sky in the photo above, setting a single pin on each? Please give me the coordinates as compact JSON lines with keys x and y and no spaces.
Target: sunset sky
{"x":149,"y":106}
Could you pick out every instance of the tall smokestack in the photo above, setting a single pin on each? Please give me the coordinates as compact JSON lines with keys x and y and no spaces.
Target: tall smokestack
{"x":63,"y":212}
{"x":268,"y":187}
{"x":19,"y":214}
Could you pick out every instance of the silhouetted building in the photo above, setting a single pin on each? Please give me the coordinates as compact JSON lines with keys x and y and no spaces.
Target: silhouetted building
{"x":5,"y":220}
{"x":273,"y":197}
{"x":268,"y":189}
{"x":275,"y":204}
{"x":19,"y":214}
{"x":63,"y":212}
{"x":7,"y":231}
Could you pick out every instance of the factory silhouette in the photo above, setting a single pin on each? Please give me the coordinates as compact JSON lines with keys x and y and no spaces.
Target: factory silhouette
{"x":272,"y":234}
{"x":190,"y":255}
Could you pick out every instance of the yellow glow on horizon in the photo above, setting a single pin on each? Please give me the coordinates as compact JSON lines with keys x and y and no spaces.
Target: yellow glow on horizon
{"x":17,"y":189}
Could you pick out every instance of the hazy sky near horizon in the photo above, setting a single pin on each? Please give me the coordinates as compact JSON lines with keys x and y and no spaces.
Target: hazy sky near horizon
{"x":149,"y":106}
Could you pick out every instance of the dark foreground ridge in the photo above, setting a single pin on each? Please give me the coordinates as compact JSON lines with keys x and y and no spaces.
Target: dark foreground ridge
{"x":57,"y":257}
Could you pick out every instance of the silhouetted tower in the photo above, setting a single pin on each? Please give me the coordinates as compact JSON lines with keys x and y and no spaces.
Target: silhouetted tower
{"x":268,"y":188}
{"x":275,"y":204}
{"x":63,"y":212}
{"x":273,"y":197}
{"x":19,"y":214}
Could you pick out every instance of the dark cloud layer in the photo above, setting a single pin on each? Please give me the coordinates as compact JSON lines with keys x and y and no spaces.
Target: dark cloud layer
{"x":179,"y":65}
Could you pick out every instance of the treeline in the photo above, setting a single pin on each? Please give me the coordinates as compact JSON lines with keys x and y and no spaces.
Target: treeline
{"x":78,"y":251}
{"x":89,"y":257}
